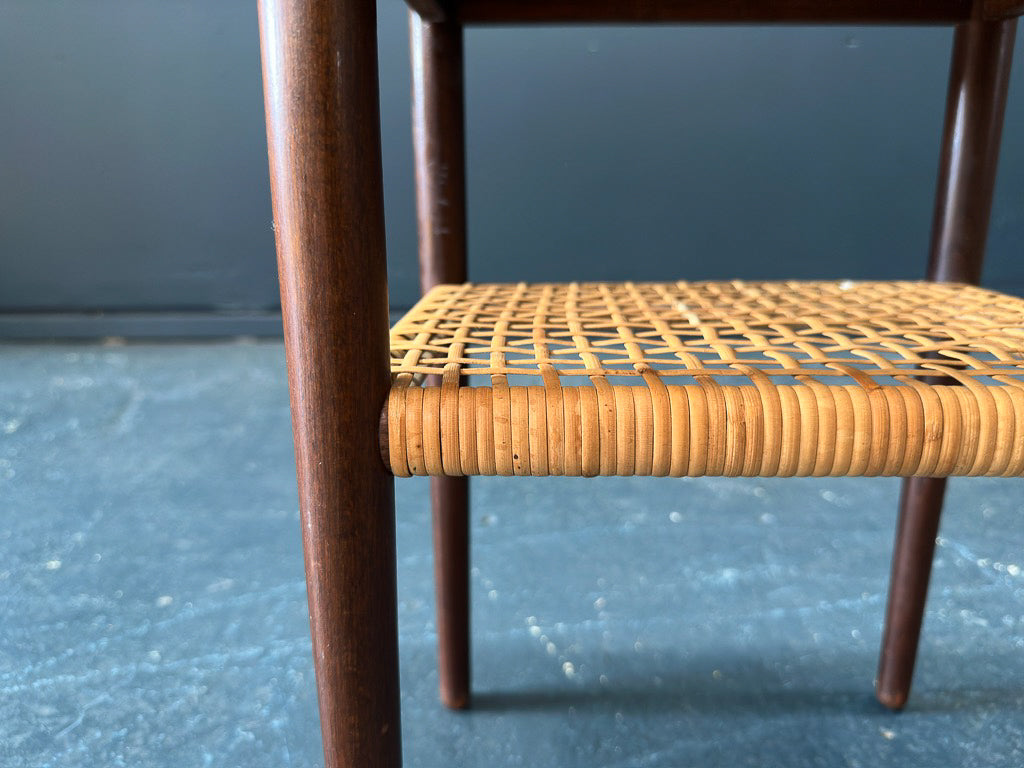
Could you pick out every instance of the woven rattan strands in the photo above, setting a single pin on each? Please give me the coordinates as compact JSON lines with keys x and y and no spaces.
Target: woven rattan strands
{"x":769,"y":379}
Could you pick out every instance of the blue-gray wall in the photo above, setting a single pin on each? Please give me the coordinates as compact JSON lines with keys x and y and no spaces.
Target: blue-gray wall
{"x":134,"y":173}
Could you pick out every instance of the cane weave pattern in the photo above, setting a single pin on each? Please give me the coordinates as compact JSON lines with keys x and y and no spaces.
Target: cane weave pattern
{"x":718,"y":378}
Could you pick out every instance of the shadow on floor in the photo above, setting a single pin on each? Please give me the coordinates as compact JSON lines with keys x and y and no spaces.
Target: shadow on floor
{"x":749,"y":686}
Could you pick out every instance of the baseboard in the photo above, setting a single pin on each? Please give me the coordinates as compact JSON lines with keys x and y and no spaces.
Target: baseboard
{"x":86,"y":326}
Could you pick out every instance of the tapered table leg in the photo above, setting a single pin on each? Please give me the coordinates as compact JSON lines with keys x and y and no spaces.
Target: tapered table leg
{"x":917,"y":527}
{"x":449,"y":497}
{"x":320,"y":86}
{"x":439,"y":145}
{"x":980,"y":72}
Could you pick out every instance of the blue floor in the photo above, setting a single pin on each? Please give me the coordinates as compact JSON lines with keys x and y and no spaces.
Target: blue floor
{"x":154,"y":611}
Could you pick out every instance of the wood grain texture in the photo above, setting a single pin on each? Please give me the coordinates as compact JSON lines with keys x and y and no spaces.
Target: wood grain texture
{"x":439,"y":140}
{"x":323,"y":130}
{"x":912,"y":554}
{"x":449,"y":499}
{"x":975,"y":104}
{"x":438,"y":119}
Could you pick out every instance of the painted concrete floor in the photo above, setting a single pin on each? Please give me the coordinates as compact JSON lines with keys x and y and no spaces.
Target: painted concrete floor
{"x":154,"y":609}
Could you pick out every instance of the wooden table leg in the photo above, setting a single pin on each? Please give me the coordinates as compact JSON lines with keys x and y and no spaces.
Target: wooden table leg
{"x":438,"y":115}
{"x":980,"y":73}
{"x":320,"y":86}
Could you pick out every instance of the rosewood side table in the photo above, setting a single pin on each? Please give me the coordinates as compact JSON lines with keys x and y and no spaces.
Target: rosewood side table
{"x":729,"y":378}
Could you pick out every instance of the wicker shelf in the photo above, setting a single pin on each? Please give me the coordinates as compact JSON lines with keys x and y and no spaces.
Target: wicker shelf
{"x":769,"y":379}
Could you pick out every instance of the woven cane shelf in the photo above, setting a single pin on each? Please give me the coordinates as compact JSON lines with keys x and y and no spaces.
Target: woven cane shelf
{"x":753,"y":379}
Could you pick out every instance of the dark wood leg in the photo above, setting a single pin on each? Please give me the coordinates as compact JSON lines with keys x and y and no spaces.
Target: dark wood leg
{"x":439,"y":143}
{"x":449,"y":497}
{"x":979,"y":76}
{"x":320,"y":86}
{"x":916,"y":529}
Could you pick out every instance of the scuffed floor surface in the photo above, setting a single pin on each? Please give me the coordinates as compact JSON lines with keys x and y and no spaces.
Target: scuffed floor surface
{"x":154,"y":609}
